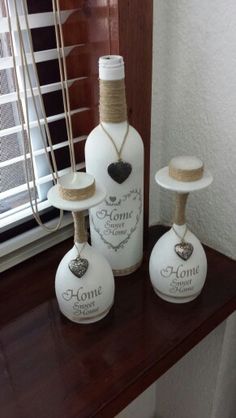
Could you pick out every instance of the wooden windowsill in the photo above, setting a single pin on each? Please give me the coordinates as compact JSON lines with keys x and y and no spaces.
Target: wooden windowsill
{"x":53,"y":368}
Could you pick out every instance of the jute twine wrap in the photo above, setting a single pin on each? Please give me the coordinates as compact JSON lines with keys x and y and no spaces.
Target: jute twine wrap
{"x":77,"y":194}
{"x":186,"y":175}
{"x":112,"y":101}
{"x":79,"y":225}
{"x":180,"y":205}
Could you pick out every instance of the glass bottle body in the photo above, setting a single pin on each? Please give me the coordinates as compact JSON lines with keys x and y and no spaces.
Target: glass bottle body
{"x":116,"y":225}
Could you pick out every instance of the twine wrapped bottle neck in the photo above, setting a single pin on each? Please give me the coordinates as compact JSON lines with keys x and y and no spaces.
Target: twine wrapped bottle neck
{"x":112,"y":106}
{"x":186,"y":169}
{"x":180,"y":205}
{"x":80,"y":234}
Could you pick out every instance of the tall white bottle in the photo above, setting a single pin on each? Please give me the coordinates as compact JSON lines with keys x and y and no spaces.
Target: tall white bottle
{"x":114,"y":155}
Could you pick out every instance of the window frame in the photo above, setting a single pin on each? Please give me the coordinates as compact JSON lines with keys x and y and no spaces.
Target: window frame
{"x":126,"y":19}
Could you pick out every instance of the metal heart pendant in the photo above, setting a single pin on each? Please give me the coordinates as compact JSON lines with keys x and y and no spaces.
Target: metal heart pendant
{"x":184,"y":250}
{"x":78,"y":266}
{"x":119,"y":171}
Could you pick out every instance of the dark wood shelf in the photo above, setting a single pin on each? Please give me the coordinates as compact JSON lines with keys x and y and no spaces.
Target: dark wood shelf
{"x":53,"y":368}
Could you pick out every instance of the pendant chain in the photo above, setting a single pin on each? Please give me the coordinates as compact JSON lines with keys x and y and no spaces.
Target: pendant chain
{"x":113,"y":142}
{"x":176,"y":233}
{"x":80,"y":251}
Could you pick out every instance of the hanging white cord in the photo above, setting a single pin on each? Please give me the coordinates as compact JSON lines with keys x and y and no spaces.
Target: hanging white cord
{"x":64,"y":83}
{"x":54,"y":164}
{"x":64,"y":79}
{"x":24,"y":66}
{"x":20,"y":104}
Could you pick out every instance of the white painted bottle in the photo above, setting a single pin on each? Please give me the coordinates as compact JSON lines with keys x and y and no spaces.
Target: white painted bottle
{"x":114,"y":155}
{"x":84,"y":282}
{"x":178,"y":263}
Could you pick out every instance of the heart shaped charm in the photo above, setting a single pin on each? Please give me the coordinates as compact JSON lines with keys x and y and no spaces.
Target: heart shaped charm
{"x":78,"y":266}
{"x":119,"y":171}
{"x":184,"y":250}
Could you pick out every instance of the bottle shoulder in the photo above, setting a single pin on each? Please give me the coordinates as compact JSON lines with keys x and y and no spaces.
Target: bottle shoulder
{"x":116,"y":131}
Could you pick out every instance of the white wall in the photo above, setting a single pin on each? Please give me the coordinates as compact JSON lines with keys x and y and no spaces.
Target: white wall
{"x":194,"y":110}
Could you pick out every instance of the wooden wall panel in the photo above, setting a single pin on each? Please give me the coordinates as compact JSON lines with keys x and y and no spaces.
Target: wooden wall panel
{"x":135,"y":44}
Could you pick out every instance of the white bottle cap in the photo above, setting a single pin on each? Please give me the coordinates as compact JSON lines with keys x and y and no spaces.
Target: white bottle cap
{"x":111,"y":67}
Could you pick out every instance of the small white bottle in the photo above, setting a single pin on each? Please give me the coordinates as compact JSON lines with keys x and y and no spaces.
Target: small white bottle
{"x":114,"y":155}
{"x":84,"y":282}
{"x":178,"y":263}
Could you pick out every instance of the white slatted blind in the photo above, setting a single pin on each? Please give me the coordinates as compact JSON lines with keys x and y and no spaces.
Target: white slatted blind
{"x":82,"y":51}
{"x":36,"y":20}
{"x":41,"y":56}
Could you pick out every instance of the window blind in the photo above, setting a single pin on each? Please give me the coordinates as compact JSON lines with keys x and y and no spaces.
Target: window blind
{"x":86,"y":30}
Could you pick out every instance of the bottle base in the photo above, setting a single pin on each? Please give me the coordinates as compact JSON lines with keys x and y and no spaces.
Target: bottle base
{"x":128,"y":270}
{"x":85,"y":320}
{"x":175,"y":299}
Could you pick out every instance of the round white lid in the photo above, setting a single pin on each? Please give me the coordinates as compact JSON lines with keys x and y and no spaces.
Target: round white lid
{"x":76,"y":181}
{"x":186,"y":162}
{"x":111,"y":67}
